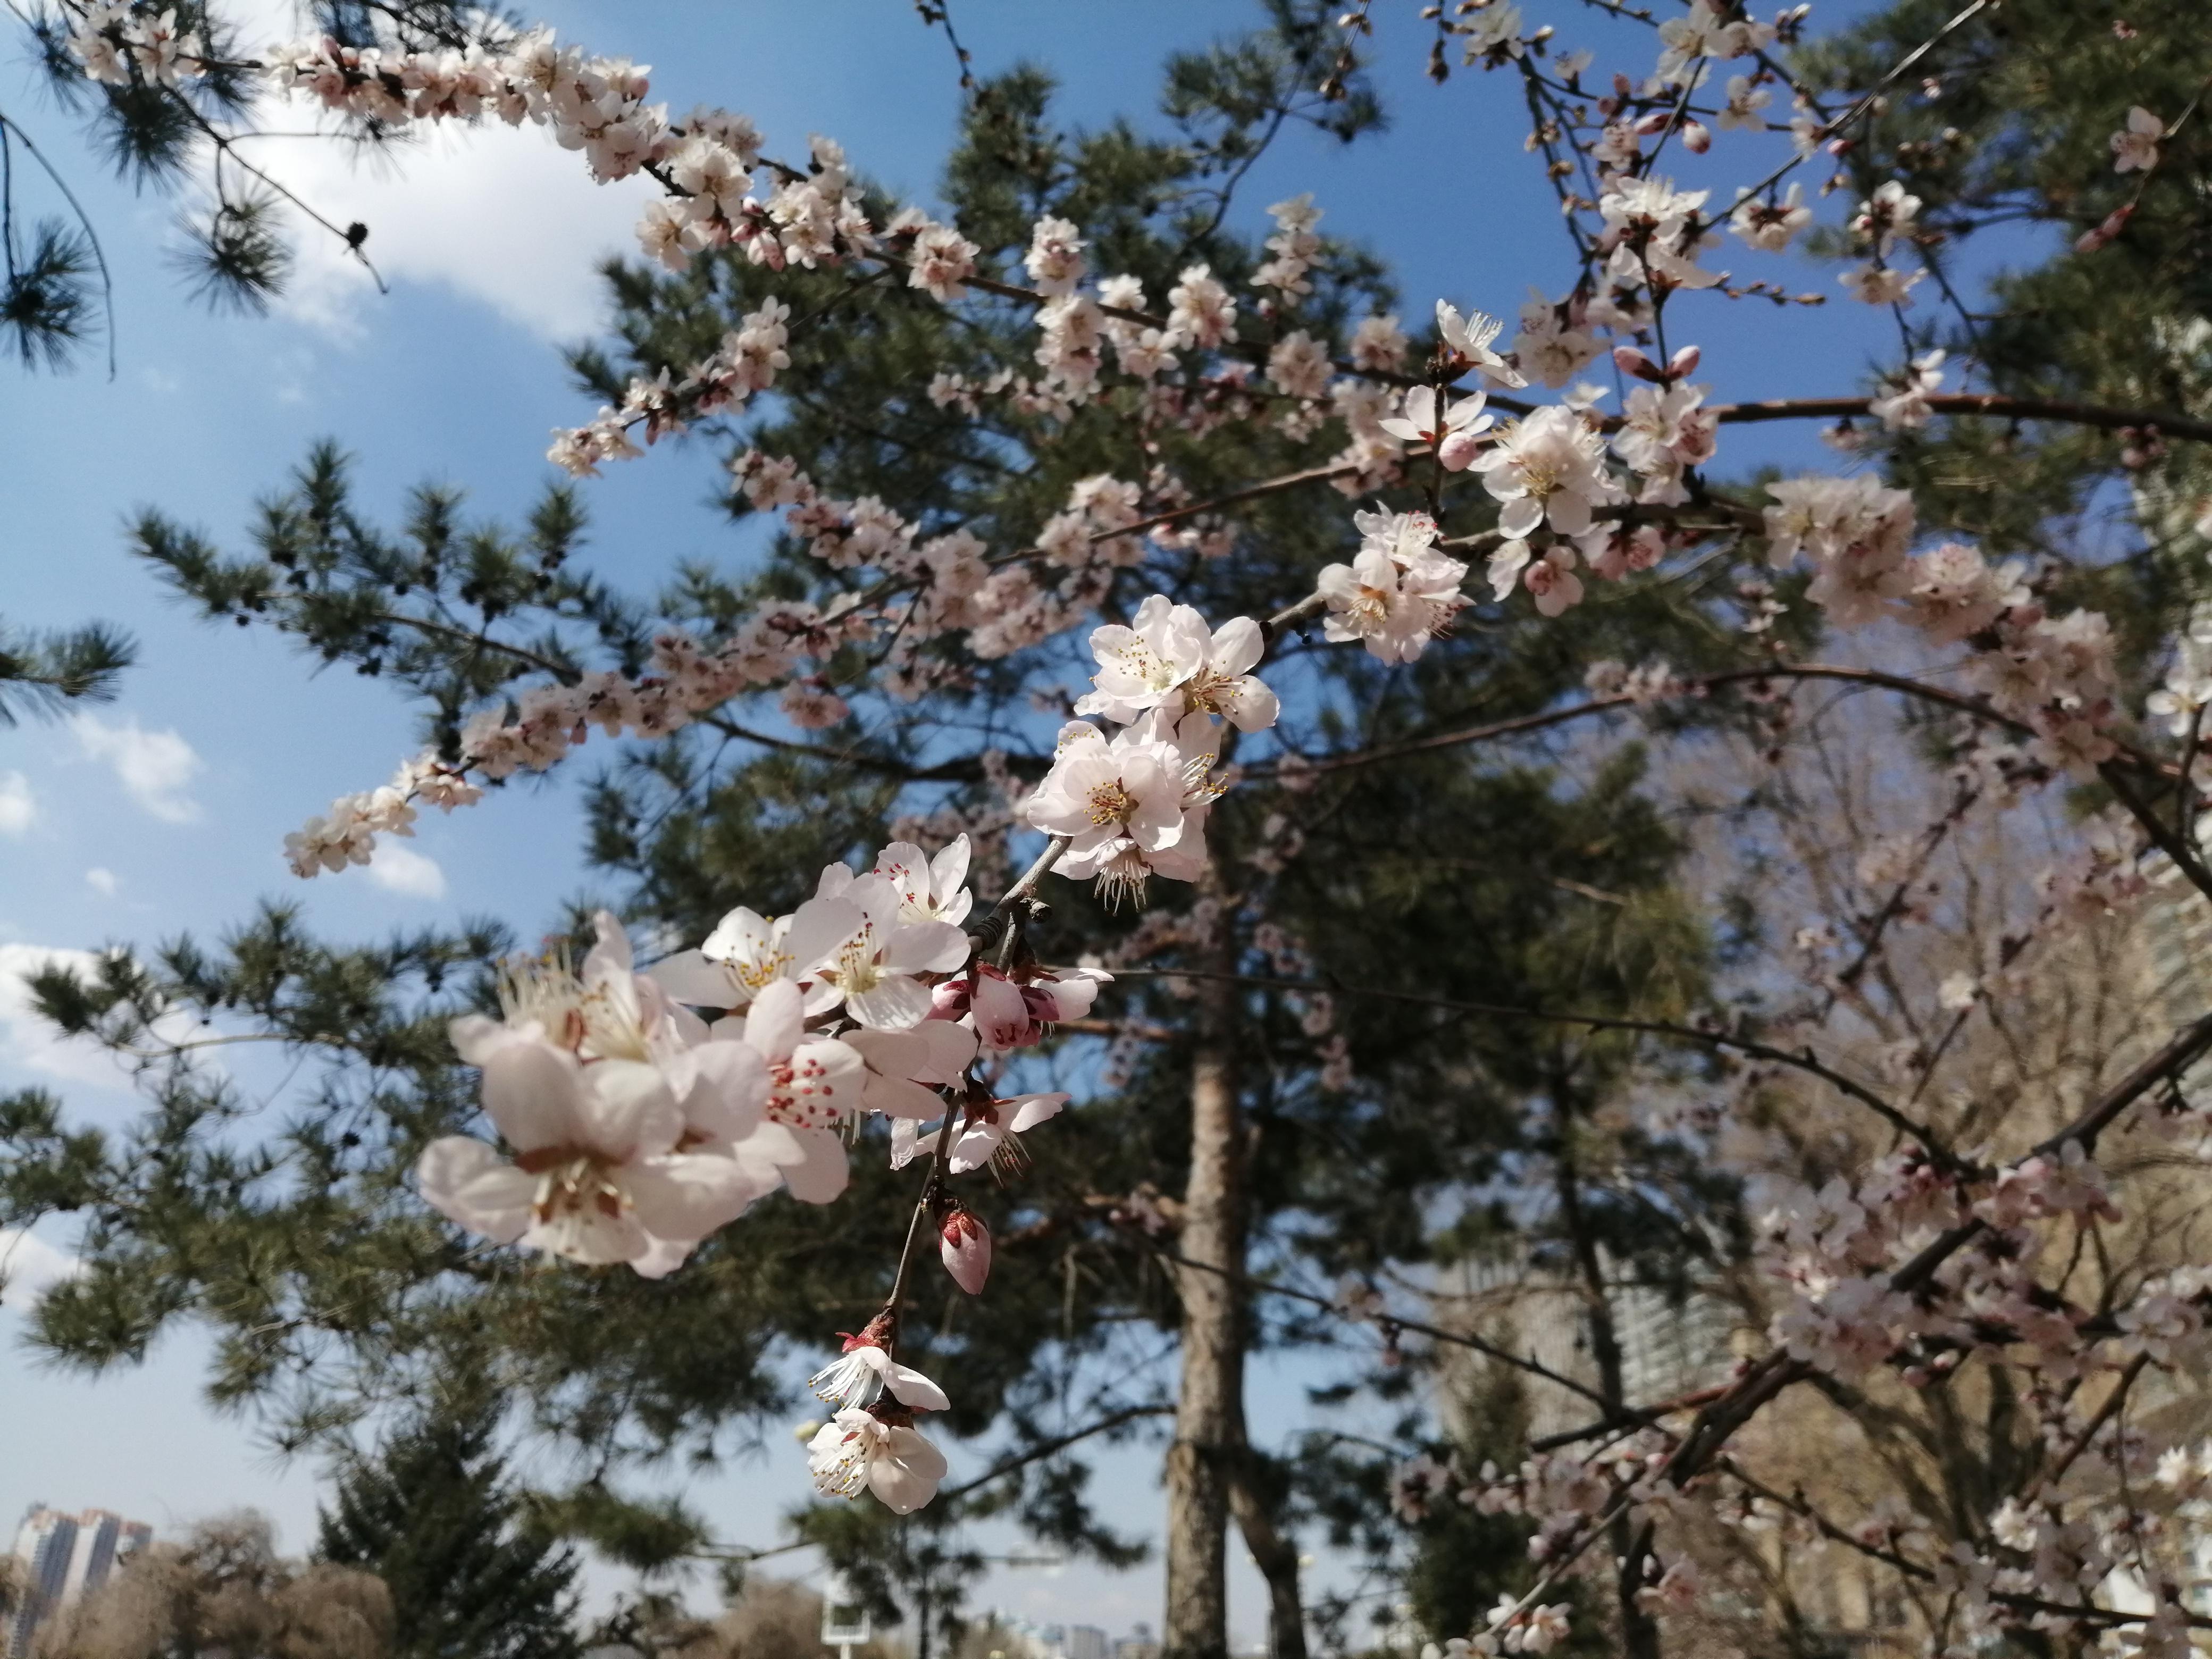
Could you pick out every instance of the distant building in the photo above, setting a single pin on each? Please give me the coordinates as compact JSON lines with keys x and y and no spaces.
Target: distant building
{"x":1084,"y":1642}
{"x":1139,"y":1645}
{"x":64,"y":1557}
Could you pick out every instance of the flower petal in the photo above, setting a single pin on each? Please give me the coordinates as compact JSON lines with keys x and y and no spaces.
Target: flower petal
{"x":471,"y":1183}
{"x":689,"y":1196}
{"x":926,"y":947}
{"x":910,"y":1388}
{"x":774,"y":1023}
{"x":1034,"y":1109}
{"x":532,"y":1090}
{"x":891,"y":1004}
{"x":731,"y":1086}
{"x":693,"y":976}
{"x":818,"y":927}
{"x":823,"y":1169}
{"x":628,"y":1111}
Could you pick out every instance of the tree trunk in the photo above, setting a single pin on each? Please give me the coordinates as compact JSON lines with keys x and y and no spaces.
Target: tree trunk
{"x":1209,"y":1409}
{"x":1639,"y":1631}
{"x":1277,"y":1557}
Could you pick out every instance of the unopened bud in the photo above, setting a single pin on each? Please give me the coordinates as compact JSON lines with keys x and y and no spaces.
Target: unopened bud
{"x":1697,"y":137}
{"x":1655,"y":122}
{"x":1628,"y":361}
{"x":964,"y":1243}
{"x":1684,"y":363}
{"x":2112,"y":225}
{"x":1457,"y":451}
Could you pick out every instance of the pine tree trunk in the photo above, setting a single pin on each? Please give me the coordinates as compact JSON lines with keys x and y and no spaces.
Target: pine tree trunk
{"x":1277,"y":1557}
{"x":1209,"y":1410}
{"x":1639,"y":1630}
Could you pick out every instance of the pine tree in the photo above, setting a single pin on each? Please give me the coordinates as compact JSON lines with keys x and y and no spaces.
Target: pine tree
{"x":433,"y":1515}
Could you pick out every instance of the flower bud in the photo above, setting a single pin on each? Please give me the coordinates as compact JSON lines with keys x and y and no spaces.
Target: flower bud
{"x":964,"y":1243}
{"x":1696,"y":138}
{"x":1459,"y":450}
{"x":1628,"y":361}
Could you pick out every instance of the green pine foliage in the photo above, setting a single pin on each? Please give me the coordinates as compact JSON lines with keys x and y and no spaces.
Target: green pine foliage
{"x":432,"y":1513}
{"x":41,"y":674}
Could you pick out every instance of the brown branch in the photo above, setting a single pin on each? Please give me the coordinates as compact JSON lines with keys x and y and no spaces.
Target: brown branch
{"x":1803,"y":1061}
{"x":1048,"y":1448}
{"x":2168,"y":424}
{"x":1535,"y":1368}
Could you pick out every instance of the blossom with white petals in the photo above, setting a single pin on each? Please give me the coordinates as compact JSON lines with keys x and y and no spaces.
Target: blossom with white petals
{"x":866,"y":1370}
{"x":1550,"y":579}
{"x":1055,"y":260}
{"x":1470,"y":337}
{"x":942,"y":262}
{"x":1202,"y":312}
{"x":1771,"y":226}
{"x":1168,"y":659}
{"x":747,"y":952}
{"x":872,"y":974}
{"x":1122,"y":804}
{"x":987,"y":1131}
{"x":1397,"y":593}
{"x":1886,"y":217}
{"x":2135,"y":147}
{"x":1881,"y":285}
{"x":929,"y":888}
{"x":1746,"y":98}
{"x":815,"y":1083}
{"x":1454,"y":438}
{"x":1903,"y":405}
{"x":1547,"y":466}
{"x":878,"y":1452}
{"x":604,"y":1096}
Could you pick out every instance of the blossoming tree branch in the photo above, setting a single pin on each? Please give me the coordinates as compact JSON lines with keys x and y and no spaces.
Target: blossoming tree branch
{"x":1171,"y":562}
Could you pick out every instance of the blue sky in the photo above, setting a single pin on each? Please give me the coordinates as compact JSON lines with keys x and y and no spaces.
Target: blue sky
{"x":164,"y":812}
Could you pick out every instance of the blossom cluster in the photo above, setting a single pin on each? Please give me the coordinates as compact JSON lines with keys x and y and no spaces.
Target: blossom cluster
{"x":1135,"y":805}
{"x":113,"y":38}
{"x":2054,"y":675}
{"x":544,"y":723}
{"x":642,"y":1112}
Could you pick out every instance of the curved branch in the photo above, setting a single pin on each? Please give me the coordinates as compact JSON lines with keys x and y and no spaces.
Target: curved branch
{"x":1803,"y":1061}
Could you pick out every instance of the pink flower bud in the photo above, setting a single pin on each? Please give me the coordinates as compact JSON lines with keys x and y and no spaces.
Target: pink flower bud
{"x":1684,"y":363}
{"x":1459,"y":450}
{"x":1628,"y":361}
{"x":964,"y":1243}
{"x":2113,"y":224}
{"x":1696,"y":138}
{"x":1654,"y":122}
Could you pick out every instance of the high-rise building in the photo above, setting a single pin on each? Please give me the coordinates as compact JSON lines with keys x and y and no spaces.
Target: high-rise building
{"x":64,"y":1557}
{"x":1086,"y":1642}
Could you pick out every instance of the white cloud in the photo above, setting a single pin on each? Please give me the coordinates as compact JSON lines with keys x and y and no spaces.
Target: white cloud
{"x":500,"y":215}
{"x":18,"y":806}
{"x":156,"y":767}
{"x":28,"y":1043}
{"x":101,"y":881}
{"x":29,"y":1267}
{"x":401,"y":870}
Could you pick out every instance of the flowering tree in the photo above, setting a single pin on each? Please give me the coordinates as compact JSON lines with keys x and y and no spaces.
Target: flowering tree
{"x":1122,"y":570}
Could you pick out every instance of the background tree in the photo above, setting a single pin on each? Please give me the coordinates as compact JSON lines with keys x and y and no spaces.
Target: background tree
{"x":224,"y":1593}
{"x":433,"y":1515}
